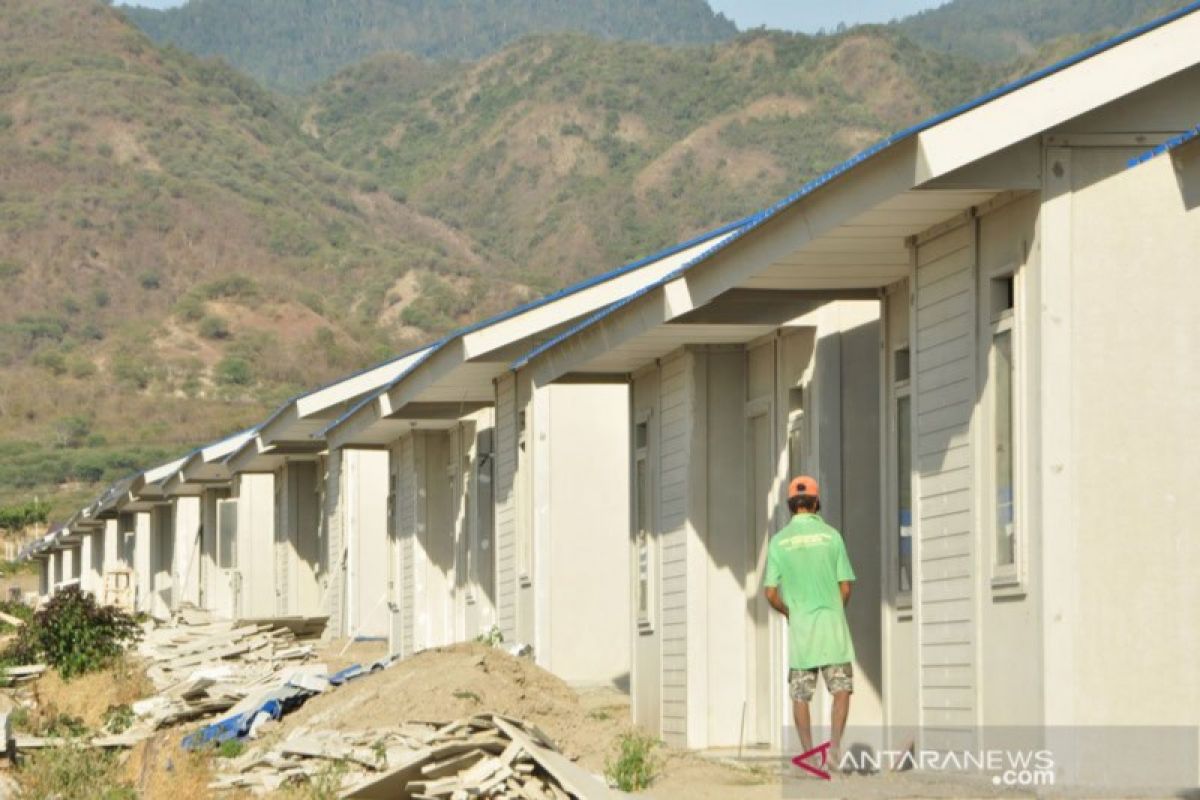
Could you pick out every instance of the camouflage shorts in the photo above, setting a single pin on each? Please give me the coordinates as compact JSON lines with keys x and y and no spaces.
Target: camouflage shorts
{"x":802,"y":683}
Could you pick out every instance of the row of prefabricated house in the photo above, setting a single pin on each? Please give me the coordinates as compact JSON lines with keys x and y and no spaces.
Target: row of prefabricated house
{"x":979,"y":335}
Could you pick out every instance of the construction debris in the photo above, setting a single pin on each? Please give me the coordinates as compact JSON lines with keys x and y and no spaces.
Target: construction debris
{"x":215,"y":667}
{"x":484,"y":756}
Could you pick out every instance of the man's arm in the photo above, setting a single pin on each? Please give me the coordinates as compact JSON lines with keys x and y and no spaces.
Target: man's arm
{"x":776,"y":601}
{"x":846,"y":586}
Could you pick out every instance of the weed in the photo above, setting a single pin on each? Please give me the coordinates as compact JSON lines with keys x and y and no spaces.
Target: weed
{"x":492,"y":638}
{"x":325,"y":785}
{"x":599,"y":714}
{"x":464,"y":694}
{"x":635,"y":766}
{"x":66,"y":726}
{"x":230,"y":748}
{"x":73,"y":773}
{"x":118,"y":719}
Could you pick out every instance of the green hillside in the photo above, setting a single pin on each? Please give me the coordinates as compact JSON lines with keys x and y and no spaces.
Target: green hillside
{"x":178,"y":255}
{"x":565,"y":154}
{"x":291,"y":44}
{"x":1002,"y":30}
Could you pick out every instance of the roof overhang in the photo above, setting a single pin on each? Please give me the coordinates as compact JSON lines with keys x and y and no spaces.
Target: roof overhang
{"x":848,"y":230}
{"x":205,"y":466}
{"x":457,"y":376}
{"x":292,"y":432}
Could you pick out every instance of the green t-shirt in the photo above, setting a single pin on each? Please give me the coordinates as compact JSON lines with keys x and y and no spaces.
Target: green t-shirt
{"x":807,"y":560}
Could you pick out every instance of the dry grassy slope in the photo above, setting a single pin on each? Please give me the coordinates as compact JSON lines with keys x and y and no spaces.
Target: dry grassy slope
{"x":596,"y":152}
{"x":176,"y":256}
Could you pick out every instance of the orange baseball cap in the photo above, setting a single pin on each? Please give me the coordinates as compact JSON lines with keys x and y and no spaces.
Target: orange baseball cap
{"x":803,"y":485}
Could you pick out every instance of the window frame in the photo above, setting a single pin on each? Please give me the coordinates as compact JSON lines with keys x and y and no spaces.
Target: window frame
{"x":642,"y":540}
{"x":900,"y":389}
{"x":1007,"y":578}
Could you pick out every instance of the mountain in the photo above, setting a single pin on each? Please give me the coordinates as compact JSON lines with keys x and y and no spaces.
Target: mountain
{"x":565,"y":154}
{"x":177,"y":254}
{"x":291,"y":44}
{"x":1003,"y":30}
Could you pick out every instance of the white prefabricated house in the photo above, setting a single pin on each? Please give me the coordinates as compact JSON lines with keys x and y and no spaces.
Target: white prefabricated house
{"x":317,"y":496}
{"x":218,"y":560}
{"x":1033,"y":254}
{"x":475,"y":539}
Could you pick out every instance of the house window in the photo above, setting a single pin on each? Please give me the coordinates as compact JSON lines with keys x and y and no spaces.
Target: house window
{"x":1003,"y":429}
{"x":902,"y":443}
{"x":643,"y":527}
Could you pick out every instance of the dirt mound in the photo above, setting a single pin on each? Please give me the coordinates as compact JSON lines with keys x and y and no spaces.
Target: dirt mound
{"x":454,"y":682}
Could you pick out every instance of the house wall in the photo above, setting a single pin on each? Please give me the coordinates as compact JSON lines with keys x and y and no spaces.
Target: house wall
{"x":334,"y":589}
{"x":506,"y":506}
{"x":1133,"y":446}
{"x":403,"y":534}
{"x":187,"y":550}
{"x":945,"y":569}
{"x":143,"y":561}
{"x":586,"y":510}
{"x":214,"y":584}
{"x":298,"y":542}
{"x":256,"y":592}
{"x":365,"y":489}
{"x":90,"y":577}
{"x":162,"y":560}
{"x":1010,"y":654}
{"x":112,"y":544}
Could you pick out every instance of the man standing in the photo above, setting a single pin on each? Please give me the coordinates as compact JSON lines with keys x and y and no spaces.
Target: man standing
{"x":808,"y":580}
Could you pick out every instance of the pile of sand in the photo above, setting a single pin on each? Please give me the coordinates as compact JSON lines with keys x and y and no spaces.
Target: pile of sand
{"x":453,"y":682}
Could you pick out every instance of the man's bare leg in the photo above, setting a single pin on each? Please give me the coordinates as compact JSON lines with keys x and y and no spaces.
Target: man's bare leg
{"x":841,"y":710}
{"x":803,"y":724}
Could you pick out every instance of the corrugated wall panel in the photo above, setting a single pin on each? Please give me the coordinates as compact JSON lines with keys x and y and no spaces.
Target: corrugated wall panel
{"x":675,"y":431}
{"x":406,"y":527}
{"x":944,"y":402}
{"x":506,"y":506}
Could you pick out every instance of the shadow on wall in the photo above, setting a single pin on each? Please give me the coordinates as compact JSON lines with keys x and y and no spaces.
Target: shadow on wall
{"x":1186,"y":160}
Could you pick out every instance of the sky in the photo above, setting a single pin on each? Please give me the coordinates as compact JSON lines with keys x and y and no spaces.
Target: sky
{"x":810,"y":16}
{"x":790,"y":15}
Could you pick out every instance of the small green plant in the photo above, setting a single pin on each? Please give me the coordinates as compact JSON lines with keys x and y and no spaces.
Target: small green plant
{"x":635,"y":766}
{"x":492,"y":638}
{"x":74,"y":634}
{"x":118,"y":719}
{"x":379,"y":751}
{"x":599,"y":714}
{"x":464,"y":694}
{"x":230,"y":748}
{"x":325,"y":785}
{"x":66,"y":726}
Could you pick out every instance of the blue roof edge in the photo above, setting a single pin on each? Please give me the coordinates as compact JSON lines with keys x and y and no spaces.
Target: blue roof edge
{"x":1165,"y":147}
{"x":808,"y":188}
{"x":537,"y":303}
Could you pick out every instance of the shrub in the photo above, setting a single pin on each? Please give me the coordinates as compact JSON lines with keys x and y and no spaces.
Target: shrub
{"x":150,"y":280}
{"x":234,"y":371}
{"x":16,"y":517}
{"x":74,"y":634}
{"x":635,"y":767}
{"x":214,"y":327}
